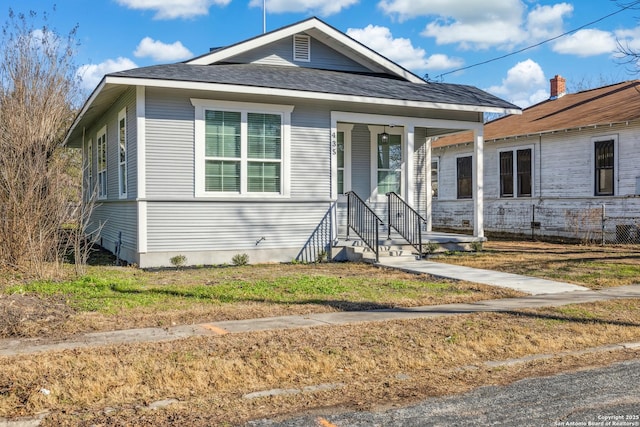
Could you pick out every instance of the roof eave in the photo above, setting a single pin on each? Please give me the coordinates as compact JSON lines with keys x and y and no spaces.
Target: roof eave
{"x":294,"y":93}
{"x":94,"y":95}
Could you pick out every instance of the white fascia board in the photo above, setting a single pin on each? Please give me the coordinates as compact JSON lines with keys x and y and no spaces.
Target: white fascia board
{"x":84,"y":109}
{"x":311,"y":24}
{"x":224,"y":53}
{"x":254,"y":90}
{"x":381,"y":120}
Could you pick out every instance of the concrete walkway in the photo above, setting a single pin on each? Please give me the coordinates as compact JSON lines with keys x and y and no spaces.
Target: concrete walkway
{"x":529,"y":285}
{"x":12,"y":347}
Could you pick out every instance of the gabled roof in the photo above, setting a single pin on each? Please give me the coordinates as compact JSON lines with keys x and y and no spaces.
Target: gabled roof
{"x":388,"y":83}
{"x":325,"y":33}
{"x":604,"y":106}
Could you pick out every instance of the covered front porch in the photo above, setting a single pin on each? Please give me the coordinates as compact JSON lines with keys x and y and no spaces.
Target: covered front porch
{"x":382,"y":163}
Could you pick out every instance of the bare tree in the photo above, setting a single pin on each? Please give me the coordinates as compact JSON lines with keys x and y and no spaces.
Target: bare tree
{"x":37,"y":90}
{"x":626,"y":53}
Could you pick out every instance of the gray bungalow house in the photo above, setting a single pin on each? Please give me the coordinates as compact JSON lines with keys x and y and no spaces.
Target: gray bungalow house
{"x":257,"y":147}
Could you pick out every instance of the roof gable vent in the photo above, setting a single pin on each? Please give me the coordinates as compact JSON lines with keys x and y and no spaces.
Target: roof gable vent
{"x":301,"y":48}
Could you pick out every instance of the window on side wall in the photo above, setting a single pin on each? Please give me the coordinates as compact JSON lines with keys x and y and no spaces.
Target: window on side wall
{"x":516,"y":173}
{"x":122,"y":153}
{"x":464,"y":173}
{"x":90,"y":188}
{"x":435,"y":172}
{"x":604,"y":161}
{"x":102,"y":162}
{"x":241,"y":152}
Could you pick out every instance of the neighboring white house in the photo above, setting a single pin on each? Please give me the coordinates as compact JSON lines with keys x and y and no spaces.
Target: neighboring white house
{"x":250,"y":148}
{"x":557,"y":169}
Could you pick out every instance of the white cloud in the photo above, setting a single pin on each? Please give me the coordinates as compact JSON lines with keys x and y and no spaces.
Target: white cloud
{"x":401,"y":50}
{"x":587,"y":42}
{"x":320,"y":7}
{"x":91,"y":74}
{"x":524,"y":85}
{"x":172,"y":9}
{"x":159,"y":51}
{"x":545,"y":22}
{"x":480,"y":24}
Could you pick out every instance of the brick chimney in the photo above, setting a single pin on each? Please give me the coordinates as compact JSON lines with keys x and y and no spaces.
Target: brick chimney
{"x":558,"y":87}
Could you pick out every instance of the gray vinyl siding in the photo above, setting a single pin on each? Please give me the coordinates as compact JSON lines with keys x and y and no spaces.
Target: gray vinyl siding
{"x":116,"y":218}
{"x":420,"y":171}
{"x":281,"y":53}
{"x":117,"y":215}
{"x":202,"y":226}
{"x":169,"y":144}
{"x":361,"y":161}
{"x":310,"y":152}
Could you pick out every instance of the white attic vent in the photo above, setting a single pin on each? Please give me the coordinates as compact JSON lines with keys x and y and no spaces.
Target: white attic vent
{"x":301,"y":48}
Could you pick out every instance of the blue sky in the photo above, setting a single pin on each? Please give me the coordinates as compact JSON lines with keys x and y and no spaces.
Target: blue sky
{"x":434,"y":37}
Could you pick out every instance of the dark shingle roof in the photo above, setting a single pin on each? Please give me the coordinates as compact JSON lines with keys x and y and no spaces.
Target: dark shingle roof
{"x":320,"y":81}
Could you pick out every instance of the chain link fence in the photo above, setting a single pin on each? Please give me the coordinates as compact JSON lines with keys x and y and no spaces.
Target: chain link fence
{"x":589,"y":224}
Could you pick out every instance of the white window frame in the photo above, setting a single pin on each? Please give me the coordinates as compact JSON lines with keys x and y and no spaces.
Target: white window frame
{"x":616,"y":167}
{"x":90,"y":168}
{"x":436,"y":160}
{"x":122,"y":164}
{"x":374,"y":131}
{"x":514,"y":150}
{"x":102,"y":149}
{"x":244,"y":108}
{"x":473,"y":178}
{"x":347,"y":129}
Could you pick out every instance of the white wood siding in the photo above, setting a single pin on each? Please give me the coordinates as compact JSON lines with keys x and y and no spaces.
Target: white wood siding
{"x":563,"y":181}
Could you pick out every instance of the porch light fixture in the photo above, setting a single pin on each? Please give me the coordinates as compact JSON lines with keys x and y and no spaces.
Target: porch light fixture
{"x":384,"y":136}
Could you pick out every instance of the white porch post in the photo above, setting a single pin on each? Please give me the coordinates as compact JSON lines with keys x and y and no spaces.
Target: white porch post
{"x":478,"y":187}
{"x":428,"y":186}
{"x":409,"y":166}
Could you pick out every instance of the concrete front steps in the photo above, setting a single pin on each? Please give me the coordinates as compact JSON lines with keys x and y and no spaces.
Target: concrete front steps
{"x":356,"y":250}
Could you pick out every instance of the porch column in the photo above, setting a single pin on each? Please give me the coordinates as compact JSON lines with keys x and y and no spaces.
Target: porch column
{"x":409,"y":167}
{"x":478,"y":186}
{"x":428,"y":186}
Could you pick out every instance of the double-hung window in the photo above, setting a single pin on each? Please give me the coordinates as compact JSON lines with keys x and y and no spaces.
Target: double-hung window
{"x":516,"y":173}
{"x":435,"y":173}
{"x":102,"y":162}
{"x":241,"y":149}
{"x":122,"y":153}
{"x":464,"y":171}
{"x":604,"y":167}
{"x":90,"y":168}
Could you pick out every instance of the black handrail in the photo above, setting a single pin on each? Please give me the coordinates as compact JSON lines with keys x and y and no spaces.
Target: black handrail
{"x":405,"y":220}
{"x":364,"y":222}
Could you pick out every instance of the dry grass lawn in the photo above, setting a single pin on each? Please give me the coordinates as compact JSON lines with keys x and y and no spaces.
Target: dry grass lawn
{"x":370,"y":366}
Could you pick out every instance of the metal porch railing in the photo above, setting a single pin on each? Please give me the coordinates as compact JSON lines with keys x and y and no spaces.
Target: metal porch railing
{"x":364,"y":222}
{"x":405,"y":220}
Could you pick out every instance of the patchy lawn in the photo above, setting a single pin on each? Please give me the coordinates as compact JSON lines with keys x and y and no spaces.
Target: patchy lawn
{"x":122,"y":297}
{"x":593,"y":266}
{"x":363,"y":366}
